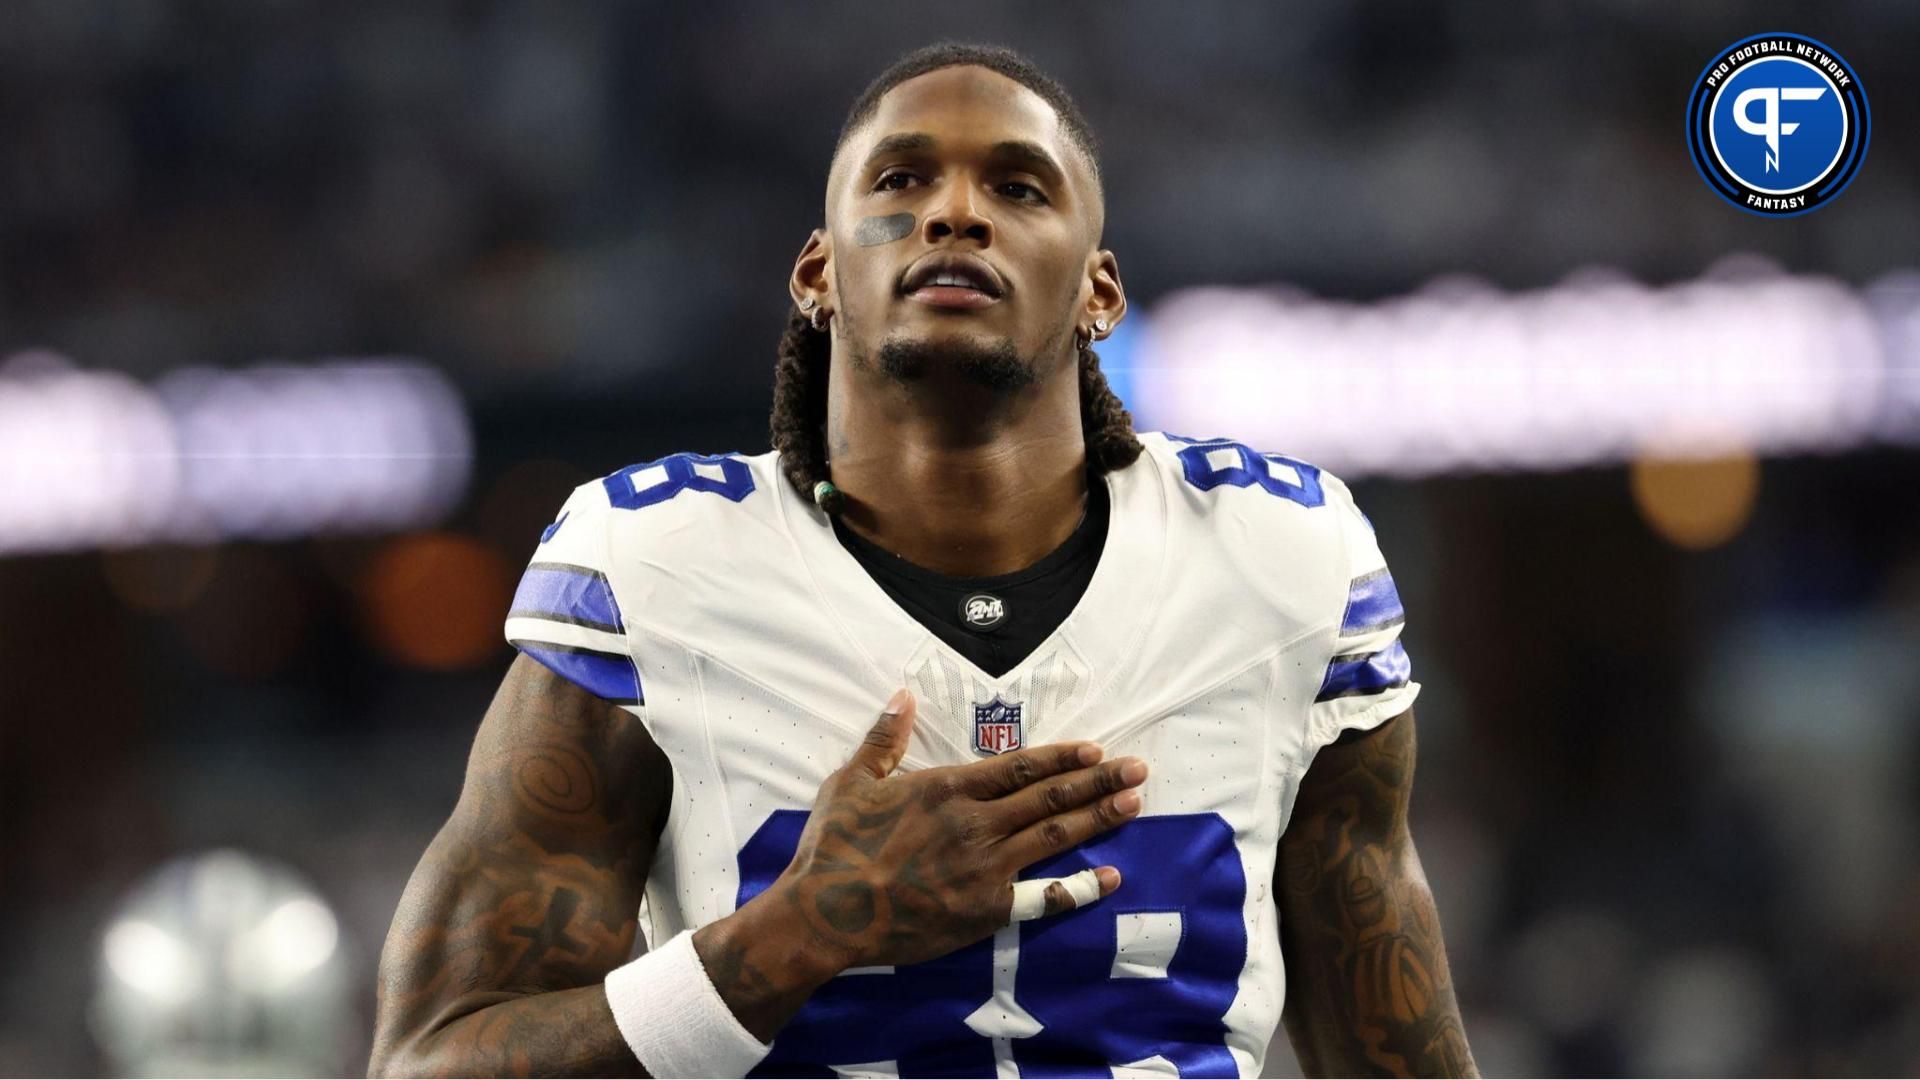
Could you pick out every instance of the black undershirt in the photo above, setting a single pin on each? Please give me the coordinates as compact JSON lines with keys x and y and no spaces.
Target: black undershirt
{"x":1034,"y":601}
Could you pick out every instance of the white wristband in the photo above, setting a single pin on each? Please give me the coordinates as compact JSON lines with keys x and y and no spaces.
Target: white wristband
{"x":1030,"y":897}
{"x":673,"y":1018}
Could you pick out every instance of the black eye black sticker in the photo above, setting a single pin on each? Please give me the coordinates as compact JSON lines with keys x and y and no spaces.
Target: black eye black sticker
{"x":882,"y":230}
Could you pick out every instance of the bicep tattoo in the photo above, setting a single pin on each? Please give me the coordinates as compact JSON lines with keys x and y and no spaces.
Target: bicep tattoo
{"x":1370,"y":992}
{"x":531,"y":888}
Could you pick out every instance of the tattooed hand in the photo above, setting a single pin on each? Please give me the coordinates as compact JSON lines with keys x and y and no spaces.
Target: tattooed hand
{"x":902,"y":868}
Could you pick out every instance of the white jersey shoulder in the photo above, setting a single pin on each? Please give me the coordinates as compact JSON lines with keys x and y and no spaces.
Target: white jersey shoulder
{"x":1290,"y":538}
{"x":600,"y":572}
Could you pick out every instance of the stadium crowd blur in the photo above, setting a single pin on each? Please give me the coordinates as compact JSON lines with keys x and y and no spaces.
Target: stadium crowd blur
{"x":1666,"y":795}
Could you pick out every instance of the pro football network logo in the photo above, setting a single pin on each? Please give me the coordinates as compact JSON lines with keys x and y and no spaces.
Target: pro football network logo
{"x":1778,"y":124}
{"x":996,"y":726}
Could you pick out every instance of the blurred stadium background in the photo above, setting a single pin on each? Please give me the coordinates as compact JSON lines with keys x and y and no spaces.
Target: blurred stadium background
{"x":311,"y":314}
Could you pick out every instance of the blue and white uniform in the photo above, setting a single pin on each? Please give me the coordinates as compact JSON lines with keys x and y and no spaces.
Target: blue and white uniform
{"x":1241,"y":617}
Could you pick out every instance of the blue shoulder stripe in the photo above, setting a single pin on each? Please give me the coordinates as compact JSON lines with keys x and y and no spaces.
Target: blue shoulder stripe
{"x":1366,"y":673}
{"x":562,"y":592}
{"x":611,"y":677}
{"x":1373,"y":603}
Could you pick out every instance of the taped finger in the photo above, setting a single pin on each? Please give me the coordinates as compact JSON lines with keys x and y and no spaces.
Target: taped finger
{"x":1030,"y":897}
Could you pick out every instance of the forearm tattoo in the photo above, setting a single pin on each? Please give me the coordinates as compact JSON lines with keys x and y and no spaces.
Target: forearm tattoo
{"x":1369,"y":992}
{"x":527,"y":897}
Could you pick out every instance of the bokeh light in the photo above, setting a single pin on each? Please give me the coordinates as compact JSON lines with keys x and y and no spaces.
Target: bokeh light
{"x":295,"y":938}
{"x":1696,"y":503}
{"x":1462,"y":376}
{"x":152,"y":961}
{"x":436,"y":600}
{"x":95,"y":459}
{"x":221,"y":963}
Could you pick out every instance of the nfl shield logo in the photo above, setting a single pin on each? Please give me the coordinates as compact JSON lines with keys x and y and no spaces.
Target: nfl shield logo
{"x":996,"y":726}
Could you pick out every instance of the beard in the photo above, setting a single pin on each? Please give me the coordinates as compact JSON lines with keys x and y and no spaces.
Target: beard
{"x":997,"y":367}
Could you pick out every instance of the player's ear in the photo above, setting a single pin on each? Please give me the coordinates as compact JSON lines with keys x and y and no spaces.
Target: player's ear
{"x":1107,"y":298}
{"x":809,"y":280}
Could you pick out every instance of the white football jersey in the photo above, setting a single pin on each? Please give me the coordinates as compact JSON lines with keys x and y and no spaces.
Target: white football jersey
{"x":1241,"y":616}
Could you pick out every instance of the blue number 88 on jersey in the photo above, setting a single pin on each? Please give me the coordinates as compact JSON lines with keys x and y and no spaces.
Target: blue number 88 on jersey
{"x":1141,"y":979}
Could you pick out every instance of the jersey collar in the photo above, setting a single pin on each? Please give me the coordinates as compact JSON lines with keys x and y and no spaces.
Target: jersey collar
{"x":1104,"y":631}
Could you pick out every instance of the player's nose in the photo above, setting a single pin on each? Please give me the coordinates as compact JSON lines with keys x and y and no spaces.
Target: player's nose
{"x":957,"y":211}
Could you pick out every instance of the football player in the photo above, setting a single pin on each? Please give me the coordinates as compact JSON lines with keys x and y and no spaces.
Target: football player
{"x":1138,"y":791}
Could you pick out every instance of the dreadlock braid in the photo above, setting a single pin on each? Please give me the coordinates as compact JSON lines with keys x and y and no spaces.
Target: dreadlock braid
{"x":799,"y":421}
{"x":797,"y":427}
{"x":1104,"y":420}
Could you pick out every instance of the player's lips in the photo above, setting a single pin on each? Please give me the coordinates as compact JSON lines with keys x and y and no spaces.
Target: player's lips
{"x":952,"y":296}
{"x":953,"y":280}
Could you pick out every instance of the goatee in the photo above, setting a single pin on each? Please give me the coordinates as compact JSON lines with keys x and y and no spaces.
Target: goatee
{"x":998,"y":367}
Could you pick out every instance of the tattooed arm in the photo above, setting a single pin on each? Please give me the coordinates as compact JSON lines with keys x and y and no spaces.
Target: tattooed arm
{"x":528,"y":896}
{"x":1368,"y":989}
